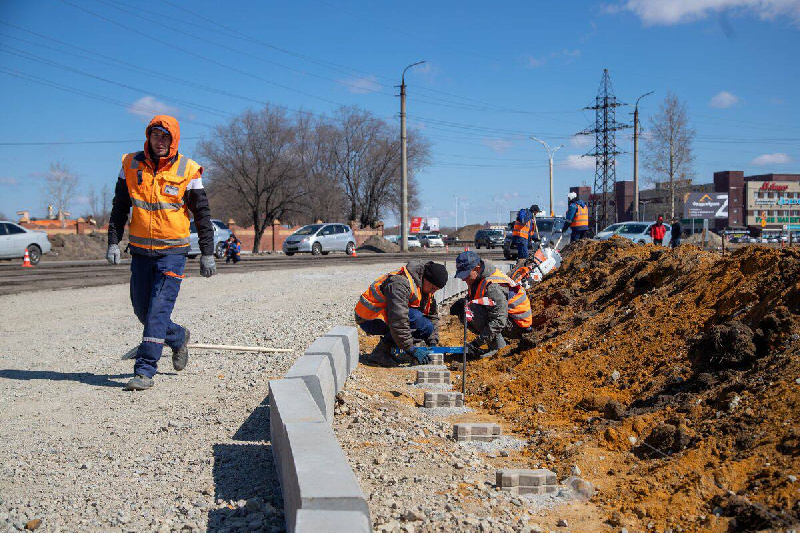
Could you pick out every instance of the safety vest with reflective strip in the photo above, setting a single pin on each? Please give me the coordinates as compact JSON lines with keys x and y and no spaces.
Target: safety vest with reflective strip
{"x":372,"y":304}
{"x":519,"y":307}
{"x":581,"y":219}
{"x":160,"y":219}
{"x":522,"y":230}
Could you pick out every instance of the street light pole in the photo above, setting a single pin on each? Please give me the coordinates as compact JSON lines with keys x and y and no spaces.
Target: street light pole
{"x":550,"y":154}
{"x":403,"y":161}
{"x":456,"y":197}
{"x":636,"y":157}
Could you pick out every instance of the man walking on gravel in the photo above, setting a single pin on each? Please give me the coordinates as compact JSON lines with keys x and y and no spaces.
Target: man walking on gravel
{"x":400,"y":307}
{"x":161,"y":186}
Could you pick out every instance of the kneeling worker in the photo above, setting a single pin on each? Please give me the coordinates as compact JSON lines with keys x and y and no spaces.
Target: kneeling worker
{"x":401,"y":308}
{"x":502,"y":299}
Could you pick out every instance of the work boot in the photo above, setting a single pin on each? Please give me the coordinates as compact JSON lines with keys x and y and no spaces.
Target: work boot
{"x":497,"y":343}
{"x":382,"y":354}
{"x":181,"y":356}
{"x":139,"y":382}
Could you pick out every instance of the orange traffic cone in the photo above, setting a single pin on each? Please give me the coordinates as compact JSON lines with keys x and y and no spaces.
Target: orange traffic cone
{"x":466,"y":248}
{"x":447,"y":248}
{"x":26,"y":260}
{"x":354,"y":254}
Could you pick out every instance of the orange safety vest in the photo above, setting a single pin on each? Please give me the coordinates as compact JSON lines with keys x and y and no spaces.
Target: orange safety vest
{"x":519,"y":307}
{"x":372,"y":304}
{"x":160,"y":219}
{"x":521,"y":230}
{"x":581,"y":217}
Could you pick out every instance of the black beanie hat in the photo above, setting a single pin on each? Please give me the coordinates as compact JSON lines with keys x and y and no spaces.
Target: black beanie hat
{"x":436,"y":274}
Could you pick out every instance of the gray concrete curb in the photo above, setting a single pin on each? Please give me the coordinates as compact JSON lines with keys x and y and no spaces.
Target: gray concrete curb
{"x":320,"y":490}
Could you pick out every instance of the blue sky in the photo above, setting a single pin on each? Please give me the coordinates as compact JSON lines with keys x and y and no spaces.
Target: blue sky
{"x":74,"y":71}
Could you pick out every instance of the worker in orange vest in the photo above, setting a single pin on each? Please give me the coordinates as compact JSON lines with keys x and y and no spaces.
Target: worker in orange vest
{"x":577,"y":217}
{"x":161,"y":187}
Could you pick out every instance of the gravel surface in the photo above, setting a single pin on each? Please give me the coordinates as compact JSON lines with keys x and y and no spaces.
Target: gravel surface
{"x":504,"y":442}
{"x":191,"y":454}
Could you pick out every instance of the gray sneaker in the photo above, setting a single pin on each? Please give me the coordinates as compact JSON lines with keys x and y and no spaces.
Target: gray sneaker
{"x":382,"y":355}
{"x":180,"y":357}
{"x":139,"y":382}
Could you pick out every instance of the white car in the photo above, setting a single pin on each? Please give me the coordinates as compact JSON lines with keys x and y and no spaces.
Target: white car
{"x":636,"y":231}
{"x":430,"y":240}
{"x":413,"y":242}
{"x":392,"y":238}
{"x":15,"y":239}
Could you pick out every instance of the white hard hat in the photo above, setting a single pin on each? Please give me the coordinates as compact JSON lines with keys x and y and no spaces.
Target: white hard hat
{"x":572,"y":196}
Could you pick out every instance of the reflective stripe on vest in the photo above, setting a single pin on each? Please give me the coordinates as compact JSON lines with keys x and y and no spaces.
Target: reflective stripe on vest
{"x":372,"y":304}
{"x":519,"y":307}
{"x":155,"y":206}
{"x":158,"y":243}
{"x":581,"y":217}
{"x":521,"y":230}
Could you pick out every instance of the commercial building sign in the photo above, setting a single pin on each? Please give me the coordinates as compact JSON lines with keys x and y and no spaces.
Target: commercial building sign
{"x":706,"y":205}
{"x":772,"y":186}
{"x":419,"y":224}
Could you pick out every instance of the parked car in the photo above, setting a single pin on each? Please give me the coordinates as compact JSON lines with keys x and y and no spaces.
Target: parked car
{"x":430,"y":240}
{"x":488,"y":238}
{"x":449,"y":239}
{"x":221,"y":234}
{"x":413,"y":242}
{"x":635,"y":231}
{"x":392,"y":238}
{"x":550,"y":230}
{"x":15,"y":239}
{"x":320,"y":239}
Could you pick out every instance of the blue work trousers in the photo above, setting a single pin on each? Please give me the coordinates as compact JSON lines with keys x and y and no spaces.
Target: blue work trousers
{"x":577,"y":234}
{"x":155,"y":282}
{"x":522,"y":247}
{"x":421,"y":327}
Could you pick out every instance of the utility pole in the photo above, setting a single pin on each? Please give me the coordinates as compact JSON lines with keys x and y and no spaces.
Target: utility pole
{"x":636,"y":157}
{"x":404,"y":160}
{"x":550,"y":154}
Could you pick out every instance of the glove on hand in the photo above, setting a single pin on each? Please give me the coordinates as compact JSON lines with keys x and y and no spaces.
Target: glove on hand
{"x":422,"y":355}
{"x":113,"y":255}
{"x":208,"y":267}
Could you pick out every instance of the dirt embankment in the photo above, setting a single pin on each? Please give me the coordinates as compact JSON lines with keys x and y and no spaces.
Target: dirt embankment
{"x":467,"y":233}
{"x":86,"y":246}
{"x":672,"y":377}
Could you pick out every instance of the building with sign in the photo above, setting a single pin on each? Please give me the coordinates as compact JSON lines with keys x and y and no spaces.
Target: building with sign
{"x":773,"y":205}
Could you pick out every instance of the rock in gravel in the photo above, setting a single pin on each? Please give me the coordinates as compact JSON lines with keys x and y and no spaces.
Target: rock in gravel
{"x":33,"y":525}
{"x":562,"y":523}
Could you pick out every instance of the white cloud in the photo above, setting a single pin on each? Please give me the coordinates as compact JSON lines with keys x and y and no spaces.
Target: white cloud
{"x":363,"y":85}
{"x":669,"y":12}
{"x":771,"y":159}
{"x":580,"y":141}
{"x":147,"y":106}
{"x":723,"y":99}
{"x":578,"y":162}
{"x":7,"y":180}
{"x":536,"y":62}
{"x":497,"y":145}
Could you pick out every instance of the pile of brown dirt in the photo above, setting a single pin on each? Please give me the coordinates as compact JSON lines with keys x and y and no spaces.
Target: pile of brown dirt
{"x":671,"y":377}
{"x":376,"y":243}
{"x":712,"y":239}
{"x":72,"y":246}
{"x":467,"y":233}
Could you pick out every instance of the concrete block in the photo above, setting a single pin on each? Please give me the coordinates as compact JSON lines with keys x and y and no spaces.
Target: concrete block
{"x":289,"y":401}
{"x":437,"y":359}
{"x":433,"y":376}
{"x":541,"y":489}
{"x":318,"y":476}
{"x":317,"y":373}
{"x":333,"y":349}
{"x":524,"y":477}
{"x":309,"y":521}
{"x":349,"y":336}
{"x":444,"y":399}
{"x":468,"y":431}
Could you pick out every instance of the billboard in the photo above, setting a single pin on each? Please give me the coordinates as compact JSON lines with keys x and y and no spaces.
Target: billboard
{"x":419,"y":224}
{"x":706,"y":205}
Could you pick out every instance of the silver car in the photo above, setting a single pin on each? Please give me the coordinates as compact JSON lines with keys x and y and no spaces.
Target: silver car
{"x":15,"y":239}
{"x":430,"y":240}
{"x":221,"y":234}
{"x":638,"y":232}
{"x":320,"y":239}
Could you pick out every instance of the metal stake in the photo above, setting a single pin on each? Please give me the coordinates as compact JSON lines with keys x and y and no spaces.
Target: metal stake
{"x":464,"y":355}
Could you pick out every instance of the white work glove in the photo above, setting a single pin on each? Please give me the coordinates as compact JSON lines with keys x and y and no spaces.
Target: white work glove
{"x":208,"y":267}
{"x":113,"y":255}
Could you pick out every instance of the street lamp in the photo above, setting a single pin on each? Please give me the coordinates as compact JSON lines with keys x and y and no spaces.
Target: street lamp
{"x":636,"y":157}
{"x":403,"y":160}
{"x":550,"y":154}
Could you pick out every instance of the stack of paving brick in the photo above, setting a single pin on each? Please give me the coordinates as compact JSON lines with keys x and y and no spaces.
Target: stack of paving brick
{"x":437,"y":359}
{"x":526,"y":481}
{"x":443,"y":399}
{"x":433,"y":376}
{"x":470,"y":431}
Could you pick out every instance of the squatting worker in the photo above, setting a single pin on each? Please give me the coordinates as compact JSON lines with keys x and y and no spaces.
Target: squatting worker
{"x":577,"y":217}
{"x":658,"y":230}
{"x":400,"y":307}
{"x":162,"y":187}
{"x":502,"y":305}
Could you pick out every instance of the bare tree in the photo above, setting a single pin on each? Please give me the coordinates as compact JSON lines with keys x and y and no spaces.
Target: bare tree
{"x":323,"y":196}
{"x":251,"y":161}
{"x":60,"y":188}
{"x":100,"y":204}
{"x":668,"y":147}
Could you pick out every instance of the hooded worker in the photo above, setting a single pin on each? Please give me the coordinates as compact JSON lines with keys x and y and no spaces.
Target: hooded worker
{"x":497,"y":304}
{"x":400,"y":307}
{"x":161,"y":187}
{"x":577,"y":217}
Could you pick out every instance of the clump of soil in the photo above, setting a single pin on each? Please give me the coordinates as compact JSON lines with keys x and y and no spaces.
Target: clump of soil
{"x":72,"y":246}
{"x":671,"y":377}
{"x":376,"y":243}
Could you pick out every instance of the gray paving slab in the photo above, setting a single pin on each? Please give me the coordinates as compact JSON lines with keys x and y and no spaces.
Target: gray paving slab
{"x":349,"y":336}
{"x":333,"y":349}
{"x":317,"y":373}
{"x":311,"y":521}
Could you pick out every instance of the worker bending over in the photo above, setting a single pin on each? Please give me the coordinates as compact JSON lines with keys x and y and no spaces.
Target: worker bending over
{"x":498,"y":304}
{"x":577,"y":217}
{"x":162,"y":187}
{"x":400,"y":307}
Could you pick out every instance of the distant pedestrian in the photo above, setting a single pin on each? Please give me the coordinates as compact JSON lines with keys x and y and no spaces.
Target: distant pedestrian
{"x":232,"y":250}
{"x":577,"y":217}
{"x":657,"y":231}
{"x":675,"y":236}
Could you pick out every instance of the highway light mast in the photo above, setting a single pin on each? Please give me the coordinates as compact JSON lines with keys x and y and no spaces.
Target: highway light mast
{"x":403,"y":161}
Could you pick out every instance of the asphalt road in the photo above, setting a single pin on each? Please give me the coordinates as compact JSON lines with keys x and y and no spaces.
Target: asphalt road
{"x":70,"y":274}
